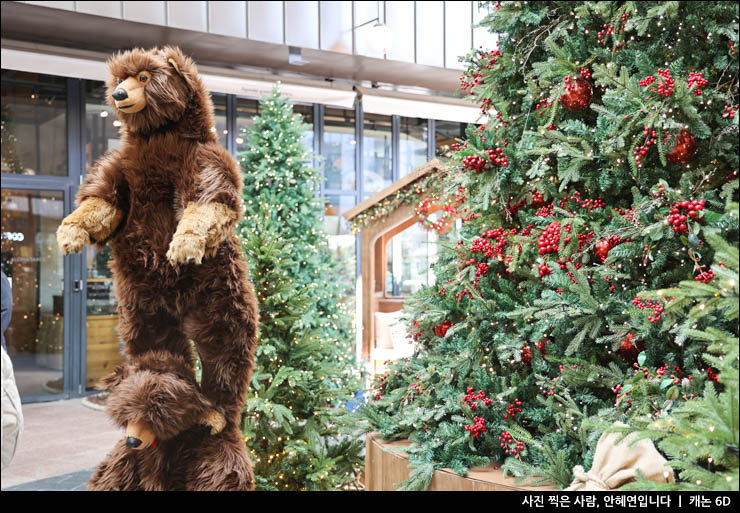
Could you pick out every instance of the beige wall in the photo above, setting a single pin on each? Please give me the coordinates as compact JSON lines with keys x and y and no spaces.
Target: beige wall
{"x":432,"y":33}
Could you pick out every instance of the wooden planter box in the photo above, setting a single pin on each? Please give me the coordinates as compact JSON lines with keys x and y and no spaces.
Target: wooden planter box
{"x":383,"y":469}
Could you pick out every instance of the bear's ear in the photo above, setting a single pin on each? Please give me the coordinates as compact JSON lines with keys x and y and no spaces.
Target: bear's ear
{"x":182,"y":65}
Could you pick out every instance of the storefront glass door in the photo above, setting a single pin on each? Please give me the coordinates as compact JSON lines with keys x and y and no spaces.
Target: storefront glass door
{"x":35,"y":269}
{"x":40,"y":171}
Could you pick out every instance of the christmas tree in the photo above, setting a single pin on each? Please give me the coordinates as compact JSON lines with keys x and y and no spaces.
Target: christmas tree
{"x":295,"y":420}
{"x":607,"y":169}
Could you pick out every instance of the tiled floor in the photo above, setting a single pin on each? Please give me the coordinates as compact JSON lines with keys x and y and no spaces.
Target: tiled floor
{"x":59,"y":438}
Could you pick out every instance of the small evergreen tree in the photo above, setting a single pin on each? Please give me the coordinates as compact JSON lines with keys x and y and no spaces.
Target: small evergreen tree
{"x":295,"y":417}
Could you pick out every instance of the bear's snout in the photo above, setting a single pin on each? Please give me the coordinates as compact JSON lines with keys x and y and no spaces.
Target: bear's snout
{"x":119,"y":94}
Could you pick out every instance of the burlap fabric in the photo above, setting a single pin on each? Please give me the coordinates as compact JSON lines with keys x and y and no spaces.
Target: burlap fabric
{"x":616,"y":465}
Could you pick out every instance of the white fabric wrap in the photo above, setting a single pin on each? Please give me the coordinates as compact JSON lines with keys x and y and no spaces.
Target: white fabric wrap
{"x":12,"y":416}
{"x":616,"y":465}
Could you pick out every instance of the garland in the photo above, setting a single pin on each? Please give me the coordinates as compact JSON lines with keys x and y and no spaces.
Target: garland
{"x":426,"y":192}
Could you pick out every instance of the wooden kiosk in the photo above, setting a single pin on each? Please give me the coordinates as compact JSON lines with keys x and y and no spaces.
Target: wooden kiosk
{"x":374,"y":242}
{"x":386,"y":215}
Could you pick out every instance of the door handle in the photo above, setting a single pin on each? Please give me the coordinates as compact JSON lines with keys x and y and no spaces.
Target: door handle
{"x":77,"y":286}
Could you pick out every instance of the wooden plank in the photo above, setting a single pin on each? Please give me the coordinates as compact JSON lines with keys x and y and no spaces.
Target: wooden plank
{"x":383,"y":469}
{"x":395,"y":186}
{"x":103,"y":351}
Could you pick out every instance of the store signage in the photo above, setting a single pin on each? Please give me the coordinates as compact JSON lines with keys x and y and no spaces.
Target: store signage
{"x":14,"y":236}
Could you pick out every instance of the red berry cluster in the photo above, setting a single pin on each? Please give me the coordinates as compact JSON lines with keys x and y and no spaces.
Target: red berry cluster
{"x":465,"y":292}
{"x":478,"y":427}
{"x":666,"y":84}
{"x":660,"y":193}
{"x":705,"y":276}
{"x":513,"y":409}
{"x":711,"y":376}
{"x":417,"y":388}
{"x":606,"y":32}
{"x":698,"y":80}
{"x":656,"y":307}
{"x":545,"y":211}
{"x":485,"y":105}
{"x":380,"y":386}
{"x":618,"y":390}
{"x":471,"y":398}
{"x":729,"y":111}
{"x":590,"y":204}
{"x":481,"y":270}
{"x":681,"y":211}
{"x":506,"y":441}
{"x":641,"y":151}
{"x":585,"y":73}
{"x":478,"y":164}
{"x":549,"y":239}
{"x":497,"y":157}
{"x":542,"y":105}
{"x":544,"y":270}
{"x":624,"y":20}
{"x":482,"y":60}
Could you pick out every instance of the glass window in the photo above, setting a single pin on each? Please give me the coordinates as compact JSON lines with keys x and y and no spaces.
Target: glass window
{"x":343,"y":242}
{"x":445,"y":134}
{"x":306,"y":112}
{"x":35,"y":267}
{"x":377,"y":156}
{"x":409,"y":259}
{"x":414,"y":143}
{"x":339,"y":148}
{"x":219,"y":118}
{"x":34,"y":124}
{"x":101,"y":124}
{"x":102,"y":345}
{"x":246,"y":111}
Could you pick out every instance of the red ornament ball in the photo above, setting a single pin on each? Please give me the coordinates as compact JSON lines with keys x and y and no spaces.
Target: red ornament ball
{"x":441,"y":329}
{"x":526,"y":351}
{"x":629,"y":349}
{"x":578,"y":94}
{"x":681,"y":148}
{"x":526,"y":354}
{"x":602,"y":250}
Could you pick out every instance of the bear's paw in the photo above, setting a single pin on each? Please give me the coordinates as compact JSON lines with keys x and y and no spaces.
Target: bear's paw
{"x":71,"y":238}
{"x":186,"y":248}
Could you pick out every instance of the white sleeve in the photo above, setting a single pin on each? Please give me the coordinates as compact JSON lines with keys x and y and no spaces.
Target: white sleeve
{"x":12,"y":416}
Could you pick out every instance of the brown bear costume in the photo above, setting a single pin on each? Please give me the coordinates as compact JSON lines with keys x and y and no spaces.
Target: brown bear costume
{"x":167,"y":202}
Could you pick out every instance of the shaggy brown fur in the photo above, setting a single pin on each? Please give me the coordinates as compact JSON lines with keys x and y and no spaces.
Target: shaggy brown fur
{"x":94,"y":220}
{"x":180,"y":275}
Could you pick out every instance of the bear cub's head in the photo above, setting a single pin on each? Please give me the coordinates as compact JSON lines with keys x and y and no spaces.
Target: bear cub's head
{"x":150,"y":88}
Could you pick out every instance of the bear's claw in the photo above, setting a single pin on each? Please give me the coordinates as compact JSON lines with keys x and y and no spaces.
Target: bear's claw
{"x":186,"y":248}
{"x":71,"y":238}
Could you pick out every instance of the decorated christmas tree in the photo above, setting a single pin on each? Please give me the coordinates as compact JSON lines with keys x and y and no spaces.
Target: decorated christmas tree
{"x":295,"y":420}
{"x":607,"y":169}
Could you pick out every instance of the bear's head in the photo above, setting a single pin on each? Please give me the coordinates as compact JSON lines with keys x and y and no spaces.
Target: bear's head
{"x":153,"y":88}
